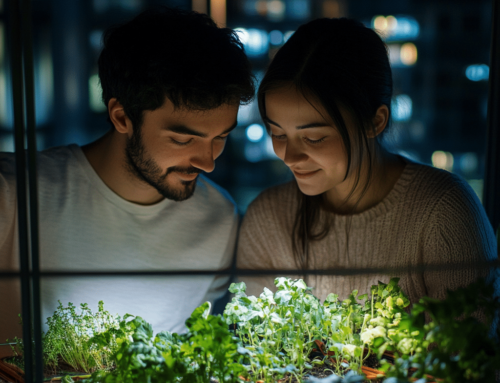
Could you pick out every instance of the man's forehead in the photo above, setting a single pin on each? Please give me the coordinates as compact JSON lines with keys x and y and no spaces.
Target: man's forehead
{"x":202,"y":123}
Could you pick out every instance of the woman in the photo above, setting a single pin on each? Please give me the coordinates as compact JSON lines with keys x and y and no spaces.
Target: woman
{"x":326,"y":101}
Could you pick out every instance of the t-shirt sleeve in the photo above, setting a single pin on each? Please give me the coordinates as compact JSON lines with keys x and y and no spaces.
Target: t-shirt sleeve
{"x":458,"y":234}
{"x":220,"y":283}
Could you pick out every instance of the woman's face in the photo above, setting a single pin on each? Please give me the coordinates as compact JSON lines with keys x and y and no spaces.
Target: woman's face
{"x":307,"y":141}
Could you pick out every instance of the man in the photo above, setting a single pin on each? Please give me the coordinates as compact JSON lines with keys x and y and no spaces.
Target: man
{"x":135,"y":199}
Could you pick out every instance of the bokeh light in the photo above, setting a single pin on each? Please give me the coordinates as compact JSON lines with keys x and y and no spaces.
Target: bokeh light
{"x":255,"y":132}
{"x":478,"y":72}
{"x":442,"y":160}
{"x":408,"y":54}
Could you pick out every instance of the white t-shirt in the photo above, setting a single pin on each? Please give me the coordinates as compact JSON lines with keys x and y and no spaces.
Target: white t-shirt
{"x":86,"y":226}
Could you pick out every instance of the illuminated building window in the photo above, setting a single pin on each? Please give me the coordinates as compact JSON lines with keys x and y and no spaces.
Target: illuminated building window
{"x":298,"y":9}
{"x":408,"y":54}
{"x":442,"y":160}
{"x":101,"y":6}
{"x":478,"y":72}
{"x":402,"y":55}
{"x":276,"y":10}
{"x":331,"y":8}
{"x":275,"y":37}
{"x":396,"y":28}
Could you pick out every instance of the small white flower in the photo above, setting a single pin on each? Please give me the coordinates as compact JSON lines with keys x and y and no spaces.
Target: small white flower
{"x":349,"y":349}
{"x":407,"y":345}
{"x":268,"y":296}
{"x":377,"y":321}
{"x":370,"y":334}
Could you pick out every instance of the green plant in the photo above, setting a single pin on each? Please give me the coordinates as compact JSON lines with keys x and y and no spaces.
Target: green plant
{"x":207,"y":350}
{"x":66,"y":339}
{"x":278,"y":331}
{"x":456,"y":345}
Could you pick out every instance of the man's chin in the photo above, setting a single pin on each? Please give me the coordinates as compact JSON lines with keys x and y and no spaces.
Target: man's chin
{"x":183,"y":193}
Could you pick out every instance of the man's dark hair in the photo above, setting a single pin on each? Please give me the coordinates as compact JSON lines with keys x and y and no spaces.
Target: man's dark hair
{"x":172,"y":53}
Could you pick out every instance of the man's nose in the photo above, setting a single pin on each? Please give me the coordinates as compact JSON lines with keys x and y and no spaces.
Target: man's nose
{"x":204,"y":158}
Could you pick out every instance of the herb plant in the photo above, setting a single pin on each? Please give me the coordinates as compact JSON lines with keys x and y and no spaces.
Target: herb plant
{"x":278,"y":331}
{"x":66,"y":340}
{"x":206,"y":351}
{"x":283,"y":336}
{"x":459,"y":344}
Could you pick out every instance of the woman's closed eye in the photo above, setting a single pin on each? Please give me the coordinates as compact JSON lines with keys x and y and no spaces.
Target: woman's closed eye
{"x":315,"y":141}
{"x":278,"y":136}
{"x":306,"y":139}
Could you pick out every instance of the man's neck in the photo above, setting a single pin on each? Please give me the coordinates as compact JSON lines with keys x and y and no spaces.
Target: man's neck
{"x":107,"y":157}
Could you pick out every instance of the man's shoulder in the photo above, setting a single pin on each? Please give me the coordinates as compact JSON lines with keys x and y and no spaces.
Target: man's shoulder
{"x":59,"y":155}
{"x":212,"y":195}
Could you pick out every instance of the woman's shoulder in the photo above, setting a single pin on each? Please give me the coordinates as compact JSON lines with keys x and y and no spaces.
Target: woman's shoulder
{"x":446,"y":202}
{"x":273,"y":207}
{"x":279,"y":198}
{"x":437,"y":186}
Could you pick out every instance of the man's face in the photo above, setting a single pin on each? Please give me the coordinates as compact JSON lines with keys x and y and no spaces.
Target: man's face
{"x":174,"y":145}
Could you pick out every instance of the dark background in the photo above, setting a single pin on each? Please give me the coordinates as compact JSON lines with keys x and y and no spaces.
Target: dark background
{"x":440,"y":99}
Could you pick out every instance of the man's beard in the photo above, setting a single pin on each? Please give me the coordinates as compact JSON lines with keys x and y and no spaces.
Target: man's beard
{"x":147,"y":170}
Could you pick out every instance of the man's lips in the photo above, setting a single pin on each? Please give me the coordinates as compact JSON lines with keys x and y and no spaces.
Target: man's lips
{"x":187,"y":176}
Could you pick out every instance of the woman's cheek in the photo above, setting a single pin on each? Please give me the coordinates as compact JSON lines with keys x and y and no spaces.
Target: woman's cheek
{"x":279,"y":148}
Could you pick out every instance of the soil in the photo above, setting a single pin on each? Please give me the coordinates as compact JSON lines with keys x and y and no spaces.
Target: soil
{"x":64,"y":369}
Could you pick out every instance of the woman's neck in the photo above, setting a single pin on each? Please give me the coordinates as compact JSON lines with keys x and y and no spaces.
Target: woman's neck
{"x":370,"y":189}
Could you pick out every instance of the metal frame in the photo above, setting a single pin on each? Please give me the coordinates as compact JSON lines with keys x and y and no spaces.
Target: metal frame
{"x":24,"y":125}
{"x":492,"y":172}
{"x":24,"y":119}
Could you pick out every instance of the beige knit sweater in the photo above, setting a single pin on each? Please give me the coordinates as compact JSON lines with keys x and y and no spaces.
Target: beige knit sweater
{"x":429,"y":217}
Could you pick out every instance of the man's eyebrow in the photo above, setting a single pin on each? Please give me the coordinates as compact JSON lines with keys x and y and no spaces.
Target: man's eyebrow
{"x":182,"y":129}
{"x":300,"y":127}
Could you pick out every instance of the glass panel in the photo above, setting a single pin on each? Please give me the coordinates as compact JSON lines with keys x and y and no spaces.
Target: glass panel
{"x":439,"y":58}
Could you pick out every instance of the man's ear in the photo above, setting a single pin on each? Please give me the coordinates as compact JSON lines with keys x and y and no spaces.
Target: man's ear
{"x":379,"y":121}
{"x":119,"y":118}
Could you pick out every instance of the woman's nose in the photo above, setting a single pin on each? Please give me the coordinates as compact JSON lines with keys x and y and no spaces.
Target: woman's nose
{"x":294,"y":153}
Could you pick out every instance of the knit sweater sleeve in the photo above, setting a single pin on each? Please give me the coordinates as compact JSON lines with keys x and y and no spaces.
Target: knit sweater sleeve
{"x":458,"y":233}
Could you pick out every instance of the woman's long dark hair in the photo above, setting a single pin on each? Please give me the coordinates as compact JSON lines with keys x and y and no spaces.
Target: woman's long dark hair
{"x":336,"y":62}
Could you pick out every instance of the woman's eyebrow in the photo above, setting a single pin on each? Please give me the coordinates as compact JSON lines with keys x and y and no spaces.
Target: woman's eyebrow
{"x":268,"y":120}
{"x":313,"y":125}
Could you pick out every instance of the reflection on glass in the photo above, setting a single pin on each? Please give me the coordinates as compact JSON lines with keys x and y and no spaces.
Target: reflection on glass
{"x":5,"y":99}
{"x":95,"y":95}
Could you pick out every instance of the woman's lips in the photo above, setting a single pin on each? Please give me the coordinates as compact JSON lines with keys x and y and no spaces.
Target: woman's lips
{"x":303,"y":174}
